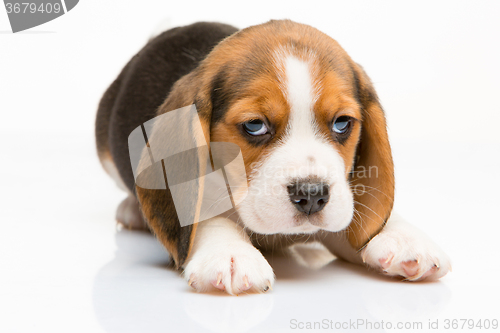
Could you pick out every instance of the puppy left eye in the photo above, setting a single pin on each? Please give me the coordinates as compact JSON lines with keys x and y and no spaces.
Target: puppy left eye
{"x":342,"y":124}
{"x":255,"y":127}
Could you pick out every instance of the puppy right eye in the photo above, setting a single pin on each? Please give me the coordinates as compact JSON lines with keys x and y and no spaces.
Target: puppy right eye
{"x":342,"y":124}
{"x":255,"y":127}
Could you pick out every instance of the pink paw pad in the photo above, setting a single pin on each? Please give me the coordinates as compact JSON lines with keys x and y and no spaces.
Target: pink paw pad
{"x":385,"y":263}
{"x":218,"y":283}
{"x":191,"y":282}
{"x":410,"y":267}
{"x":246,"y":285}
{"x":430,"y":272}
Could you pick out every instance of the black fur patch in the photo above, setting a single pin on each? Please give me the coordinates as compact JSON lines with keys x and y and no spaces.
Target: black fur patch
{"x":363,"y":95}
{"x":220,"y":96}
{"x":147,"y":80}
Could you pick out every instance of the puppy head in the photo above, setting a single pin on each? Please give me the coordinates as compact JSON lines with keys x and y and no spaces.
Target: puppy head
{"x":311,"y":130}
{"x":309,"y":125}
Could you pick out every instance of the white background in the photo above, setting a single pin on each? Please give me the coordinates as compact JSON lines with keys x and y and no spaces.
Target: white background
{"x":64,"y":267}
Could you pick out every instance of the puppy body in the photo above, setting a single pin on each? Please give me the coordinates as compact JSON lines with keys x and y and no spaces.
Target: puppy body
{"x":320,"y":125}
{"x":134,"y":98}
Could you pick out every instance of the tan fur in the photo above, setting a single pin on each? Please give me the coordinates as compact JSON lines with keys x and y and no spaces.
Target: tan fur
{"x":374,"y":206}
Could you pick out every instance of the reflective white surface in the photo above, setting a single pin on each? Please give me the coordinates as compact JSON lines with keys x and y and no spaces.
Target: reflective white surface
{"x":66,"y":267}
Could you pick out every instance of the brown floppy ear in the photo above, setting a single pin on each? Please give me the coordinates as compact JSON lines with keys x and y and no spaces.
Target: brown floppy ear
{"x":178,"y":144}
{"x":373,"y":172}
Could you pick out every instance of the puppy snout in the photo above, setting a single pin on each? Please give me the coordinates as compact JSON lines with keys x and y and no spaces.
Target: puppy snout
{"x":307,"y":197}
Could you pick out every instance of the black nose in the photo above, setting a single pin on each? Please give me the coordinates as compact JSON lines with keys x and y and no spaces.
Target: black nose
{"x":308,"y":198}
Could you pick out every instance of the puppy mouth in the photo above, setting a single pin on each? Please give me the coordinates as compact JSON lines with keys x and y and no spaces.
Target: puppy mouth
{"x":305,"y":227}
{"x":299,"y":223}
{"x":308,"y":221}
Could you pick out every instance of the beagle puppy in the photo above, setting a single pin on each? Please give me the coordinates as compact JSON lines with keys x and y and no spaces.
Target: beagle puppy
{"x":312,"y":136}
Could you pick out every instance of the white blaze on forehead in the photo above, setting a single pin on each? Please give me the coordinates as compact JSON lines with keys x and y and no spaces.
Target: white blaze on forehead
{"x":300,"y":95}
{"x":303,"y":153}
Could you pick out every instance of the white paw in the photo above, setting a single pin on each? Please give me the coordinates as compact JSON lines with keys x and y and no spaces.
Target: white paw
{"x":401,"y":249}
{"x":235,"y":268}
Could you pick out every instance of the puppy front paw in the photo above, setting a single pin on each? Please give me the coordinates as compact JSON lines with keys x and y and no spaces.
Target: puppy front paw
{"x":235,"y":268}
{"x":402,"y":250}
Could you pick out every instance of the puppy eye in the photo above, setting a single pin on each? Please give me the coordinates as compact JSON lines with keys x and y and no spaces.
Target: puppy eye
{"x":342,"y":124}
{"x":255,"y":127}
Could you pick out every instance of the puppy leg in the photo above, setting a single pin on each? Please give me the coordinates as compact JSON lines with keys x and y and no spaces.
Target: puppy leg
{"x":129,"y":214}
{"x":399,"y":249}
{"x":223,"y":258}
